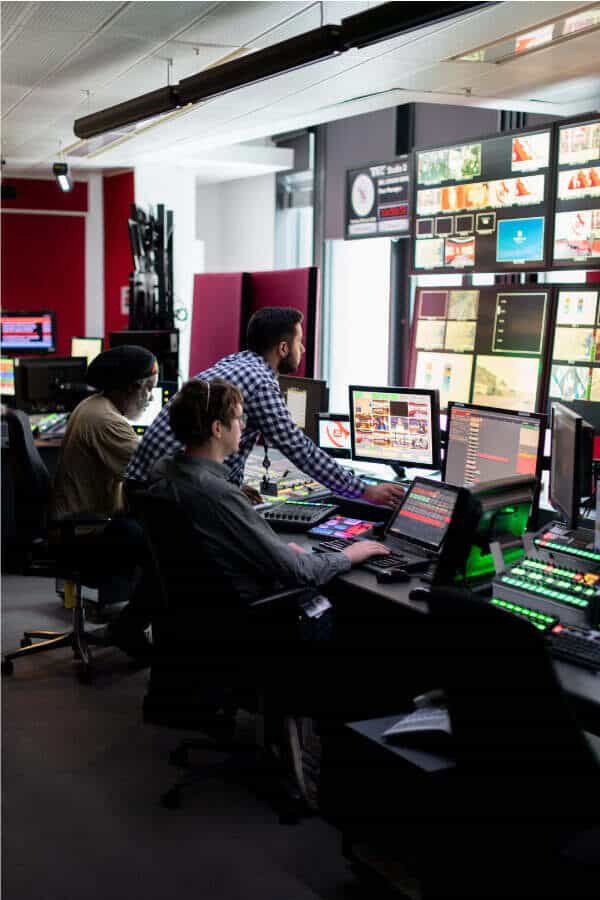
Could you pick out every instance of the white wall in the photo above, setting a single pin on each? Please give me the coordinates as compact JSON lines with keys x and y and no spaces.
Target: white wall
{"x":235,"y":221}
{"x":94,"y":259}
{"x":176,"y":189}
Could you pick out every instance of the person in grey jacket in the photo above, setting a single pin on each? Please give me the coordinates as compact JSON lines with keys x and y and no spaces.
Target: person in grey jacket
{"x":207,"y":418}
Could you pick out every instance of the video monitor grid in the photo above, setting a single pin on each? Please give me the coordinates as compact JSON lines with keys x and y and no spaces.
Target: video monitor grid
{"x":575,"y":364}
{"x":482,"y":206}
{"x":576,"y":241}
{"x":482,"y":346}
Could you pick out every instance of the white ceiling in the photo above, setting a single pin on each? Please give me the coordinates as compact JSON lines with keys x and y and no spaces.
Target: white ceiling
{"x":64,"y":60}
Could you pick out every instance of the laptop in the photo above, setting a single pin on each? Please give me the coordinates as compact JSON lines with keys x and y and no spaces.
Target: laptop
{"x":417,"y":531}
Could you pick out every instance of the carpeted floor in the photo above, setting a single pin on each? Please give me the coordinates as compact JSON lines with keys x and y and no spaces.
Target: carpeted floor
{"x":82,"y":776}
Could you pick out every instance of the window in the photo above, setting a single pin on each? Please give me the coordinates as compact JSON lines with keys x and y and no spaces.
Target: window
{"x":356,"y":315}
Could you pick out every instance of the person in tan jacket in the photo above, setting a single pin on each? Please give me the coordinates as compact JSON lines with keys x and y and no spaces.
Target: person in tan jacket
{"x":98,"y":444}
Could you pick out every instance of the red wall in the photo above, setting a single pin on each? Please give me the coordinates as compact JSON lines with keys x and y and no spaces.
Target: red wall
{"x":118,"y":195}
{"x":43,"y":255}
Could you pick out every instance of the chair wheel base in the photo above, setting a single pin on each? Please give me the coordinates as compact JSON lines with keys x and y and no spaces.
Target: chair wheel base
{"x":7,"y":667}
{"x":171,"y":799}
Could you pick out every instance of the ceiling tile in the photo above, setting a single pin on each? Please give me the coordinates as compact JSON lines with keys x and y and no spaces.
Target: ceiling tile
{"x":236,"y":24}
{"x":32,"y":57}
{"x":105,"y":58}
{"x":157,"y":21}
{"x":50,"y":18}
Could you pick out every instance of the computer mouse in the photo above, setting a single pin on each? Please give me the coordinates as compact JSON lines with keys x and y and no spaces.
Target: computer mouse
{"x":392,"y":576}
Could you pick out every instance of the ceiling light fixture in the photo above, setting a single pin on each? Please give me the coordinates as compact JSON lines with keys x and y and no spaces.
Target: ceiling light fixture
{"x":61,"y":173}
{"x":381,"y":23}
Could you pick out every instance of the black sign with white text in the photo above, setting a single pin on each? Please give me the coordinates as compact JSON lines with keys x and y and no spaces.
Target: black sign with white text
{"x":377,"y":200}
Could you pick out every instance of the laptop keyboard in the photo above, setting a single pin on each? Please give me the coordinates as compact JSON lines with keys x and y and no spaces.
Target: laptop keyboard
{"x":407,"y":561}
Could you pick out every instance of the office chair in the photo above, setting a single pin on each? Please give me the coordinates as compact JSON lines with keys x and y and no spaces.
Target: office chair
{"x":214,"y":654}
{"x":526,"y":785}
{"x":47,"y":547}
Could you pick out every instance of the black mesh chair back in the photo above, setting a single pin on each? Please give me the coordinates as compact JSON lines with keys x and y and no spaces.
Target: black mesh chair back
{"x":30,"y":480}
{"x":509,"y":713}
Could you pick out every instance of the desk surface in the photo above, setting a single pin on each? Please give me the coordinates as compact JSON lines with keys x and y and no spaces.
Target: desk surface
{"x":581,"y":684}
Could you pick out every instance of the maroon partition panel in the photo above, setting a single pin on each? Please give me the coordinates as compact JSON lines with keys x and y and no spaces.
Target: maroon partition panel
{"x":219,"y":318}
{"x":291,"y":287}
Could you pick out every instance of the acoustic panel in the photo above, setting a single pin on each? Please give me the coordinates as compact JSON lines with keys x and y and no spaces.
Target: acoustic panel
{"x":219,"y":318}
{"x":291,"y":287}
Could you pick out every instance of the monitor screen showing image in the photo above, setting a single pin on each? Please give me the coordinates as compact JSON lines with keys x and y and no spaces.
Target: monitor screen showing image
{"x":334,"y":434}
{"x":28,"y":332}
{"x":520,"y":240}
{"x":395,"y":426}
{"x":90,"y":347}
{"x":7,"y":377}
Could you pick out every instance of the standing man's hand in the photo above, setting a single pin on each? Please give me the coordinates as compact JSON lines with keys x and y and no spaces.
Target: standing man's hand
{"x":387,"y":493}
{"x":252,"y":494}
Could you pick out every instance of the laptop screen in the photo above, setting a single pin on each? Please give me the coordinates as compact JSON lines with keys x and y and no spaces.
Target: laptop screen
{"x":426,"y":513}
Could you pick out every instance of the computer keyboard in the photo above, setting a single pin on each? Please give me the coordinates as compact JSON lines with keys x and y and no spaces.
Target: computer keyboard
{"x":577,"y":645}
{"x":378,"y":563}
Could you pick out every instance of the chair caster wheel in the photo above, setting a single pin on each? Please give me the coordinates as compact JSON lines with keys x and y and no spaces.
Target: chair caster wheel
{"x":26,"y":642}
{"x":85,"y":674}
{"x":178,"y":757}
{"x":171,"y":799}
{"x":7,"y":667}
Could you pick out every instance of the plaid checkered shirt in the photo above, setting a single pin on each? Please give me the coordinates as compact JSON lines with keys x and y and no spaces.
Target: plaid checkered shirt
{"x":267,"y":414}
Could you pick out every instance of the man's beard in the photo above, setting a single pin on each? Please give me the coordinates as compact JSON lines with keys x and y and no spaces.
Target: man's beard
{"x":286,"y":366}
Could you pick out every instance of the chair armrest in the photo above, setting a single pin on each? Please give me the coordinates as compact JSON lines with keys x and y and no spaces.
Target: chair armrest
{"x":73,"y":519}
{"x":287,"y":596}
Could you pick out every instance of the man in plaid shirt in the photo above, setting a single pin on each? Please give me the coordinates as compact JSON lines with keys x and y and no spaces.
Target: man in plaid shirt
{"x":275,"y":347}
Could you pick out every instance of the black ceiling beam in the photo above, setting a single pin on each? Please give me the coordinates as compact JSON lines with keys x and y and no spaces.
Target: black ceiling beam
{"x":392,"y":19}
{"x":378,"y":24}
{"x":155,"y":103}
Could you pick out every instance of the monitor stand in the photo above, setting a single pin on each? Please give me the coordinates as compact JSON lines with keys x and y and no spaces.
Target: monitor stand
{"x":399,"y":471}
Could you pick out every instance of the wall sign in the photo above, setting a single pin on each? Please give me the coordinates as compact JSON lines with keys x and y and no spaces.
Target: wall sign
{"x":377,"y":200}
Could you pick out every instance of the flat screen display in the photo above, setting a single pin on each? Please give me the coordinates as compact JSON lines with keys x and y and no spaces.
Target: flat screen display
{"x":334,"y":434}
{"x":426,"y":513}
{"x":89,"y":347}
{"x":159,"y":397}
{"x":484,"y":345}
{"x":575,"y":365}
{"x":378,"y":199}
{"x":28,"y":332}
{"x":496,"y":192}
{"x":7,"y":376}
{"x":395,"y":426}
{"x":577,"y":218}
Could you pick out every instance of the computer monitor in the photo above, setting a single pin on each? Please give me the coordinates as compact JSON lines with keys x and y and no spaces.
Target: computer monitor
{"x":159,"y":397}
{"x":28,"y":332}
{"x":50,"y":385}
{"x":333,"y":431}
{"x":396,"y":426}
{"x":305,"y":397}
{"x":7,"y":376}
{"x":90,"y":347}
{"x":486,"y":443}
{"x":571,"y":468}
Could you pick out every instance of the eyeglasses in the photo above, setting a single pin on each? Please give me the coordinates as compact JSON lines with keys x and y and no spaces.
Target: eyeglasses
{"x":243,"y":420}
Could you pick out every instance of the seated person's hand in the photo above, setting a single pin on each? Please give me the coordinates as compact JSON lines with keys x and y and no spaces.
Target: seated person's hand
{"x":252,"y":494}
{"x":387,"y":493}
{"x":362,"y":550}
{"x":296,"y":547}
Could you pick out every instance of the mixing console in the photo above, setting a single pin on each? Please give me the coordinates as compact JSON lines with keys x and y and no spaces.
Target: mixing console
{"x":565,"y":592}
{"x":291,"y":482}
{"x":580,"y":646}
{"x":567,"y":545}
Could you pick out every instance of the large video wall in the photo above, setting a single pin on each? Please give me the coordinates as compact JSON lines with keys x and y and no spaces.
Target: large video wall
{"x":577,"y":219}
{"x":514,"y":348}
{"x":483,"y":206}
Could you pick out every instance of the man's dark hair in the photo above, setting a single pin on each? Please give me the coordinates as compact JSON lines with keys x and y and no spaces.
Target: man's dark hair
{"x":198,"y":404}
{"x":270,"y":325}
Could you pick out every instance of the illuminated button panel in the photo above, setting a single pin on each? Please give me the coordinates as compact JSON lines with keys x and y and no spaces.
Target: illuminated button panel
{"x":541,"y":620}
{"x":553,"y":540}
{"x":558,"y":583}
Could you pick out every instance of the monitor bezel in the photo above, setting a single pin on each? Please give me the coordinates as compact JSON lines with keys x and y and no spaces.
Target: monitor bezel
{"x":336,"y":417}
{"x":571,"y":515}
{"x":541,"y":418}
{"x":32,"y":351}
{"x":434,"y":397}
{"x":426,"y":545}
